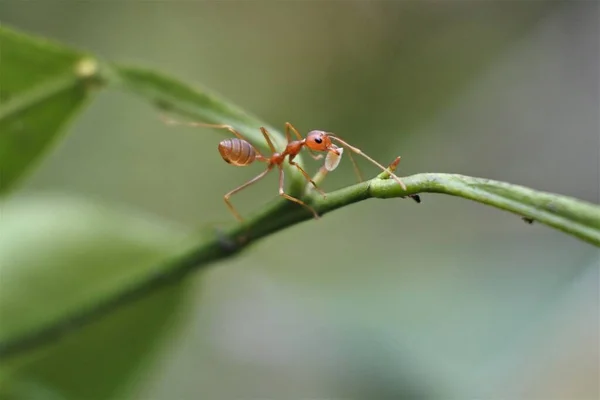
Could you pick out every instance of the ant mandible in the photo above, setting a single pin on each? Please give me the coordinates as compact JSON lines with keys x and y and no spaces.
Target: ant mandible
{"x":240,"y":152}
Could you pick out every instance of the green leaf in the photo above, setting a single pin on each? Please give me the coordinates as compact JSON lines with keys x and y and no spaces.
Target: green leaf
{"x":177,"y":97}
{"x":42,"y":85}
{"x":59,"y":258}
{"x":199,"y":104}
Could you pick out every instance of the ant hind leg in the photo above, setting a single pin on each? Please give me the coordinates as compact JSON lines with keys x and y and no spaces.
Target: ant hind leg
{"x":230,"y":128}
{"x":237,"y":189}
{"x":295,"y":200}
{"x":308,"y":178}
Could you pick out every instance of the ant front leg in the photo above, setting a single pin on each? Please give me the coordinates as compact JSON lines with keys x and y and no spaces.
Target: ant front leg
{"x":313,"y":155}
{"x":360,"y":152}
{"x":282,"y":193}
{"x":391,"y":168}
{"x":308,"y":178}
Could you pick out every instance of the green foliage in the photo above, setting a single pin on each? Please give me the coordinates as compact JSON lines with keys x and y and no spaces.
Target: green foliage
{"x":41,"y":87}
{"x":174,"y":96}
{"x":59,"y":256}
{"x":64,"y":265}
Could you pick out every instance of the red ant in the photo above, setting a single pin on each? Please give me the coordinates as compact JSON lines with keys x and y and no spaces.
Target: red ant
{"x":239,"y":152}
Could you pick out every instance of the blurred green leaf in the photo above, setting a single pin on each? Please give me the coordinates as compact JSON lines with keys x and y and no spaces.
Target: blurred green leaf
{"x":42,"y":85}
{"x":59,"y":257}
{"x":174,"y":96}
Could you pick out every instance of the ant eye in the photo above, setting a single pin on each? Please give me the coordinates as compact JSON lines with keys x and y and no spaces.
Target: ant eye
{"x":318,"y":140}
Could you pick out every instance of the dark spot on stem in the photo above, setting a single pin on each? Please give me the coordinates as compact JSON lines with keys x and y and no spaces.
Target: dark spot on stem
{"x":415,"y":197}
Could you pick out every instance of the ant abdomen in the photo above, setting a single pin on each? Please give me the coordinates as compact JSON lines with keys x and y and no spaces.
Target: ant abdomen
{"x":237,"y":152}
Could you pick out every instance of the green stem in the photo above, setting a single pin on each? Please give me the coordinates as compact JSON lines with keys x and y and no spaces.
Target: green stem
{"x":570,"y":215}
{"x":575,"y":217}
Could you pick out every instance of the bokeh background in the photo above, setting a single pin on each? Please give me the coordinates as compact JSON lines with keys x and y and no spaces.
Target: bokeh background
{"x":381,"y":299}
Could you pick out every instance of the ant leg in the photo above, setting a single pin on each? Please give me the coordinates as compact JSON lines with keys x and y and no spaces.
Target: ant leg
{"x":359,"y":151}
{"x":295,"y":200}
{"x":313,"y":155}
{"x":386,"y":175}
{"x":308,"y":178}
{"x":355,"y":167}
{"x":391,"y":168}
{"x":245,"y":185}
{"x":230,"y":128}
{"x":267,"y":136}
{"x":318,"y":179}
{"x":291,"y":127}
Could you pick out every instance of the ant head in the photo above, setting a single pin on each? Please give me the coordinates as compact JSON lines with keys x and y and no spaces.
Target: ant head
{"x":318,"y":141}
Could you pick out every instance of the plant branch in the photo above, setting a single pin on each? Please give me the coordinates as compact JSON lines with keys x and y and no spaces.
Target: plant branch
{"x":575,"y":217}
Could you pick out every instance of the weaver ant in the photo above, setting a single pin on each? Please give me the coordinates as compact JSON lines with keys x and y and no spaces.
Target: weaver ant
{"x":240,"y":152}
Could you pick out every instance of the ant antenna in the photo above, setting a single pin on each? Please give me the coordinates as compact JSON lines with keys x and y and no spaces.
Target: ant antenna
{"x":360,"y":152}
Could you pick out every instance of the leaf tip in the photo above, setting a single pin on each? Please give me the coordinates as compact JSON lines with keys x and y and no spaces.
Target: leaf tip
{"x":86,"y":68}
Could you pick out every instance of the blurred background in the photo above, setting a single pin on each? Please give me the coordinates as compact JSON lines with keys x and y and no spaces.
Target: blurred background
{"x":381,"y":299}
